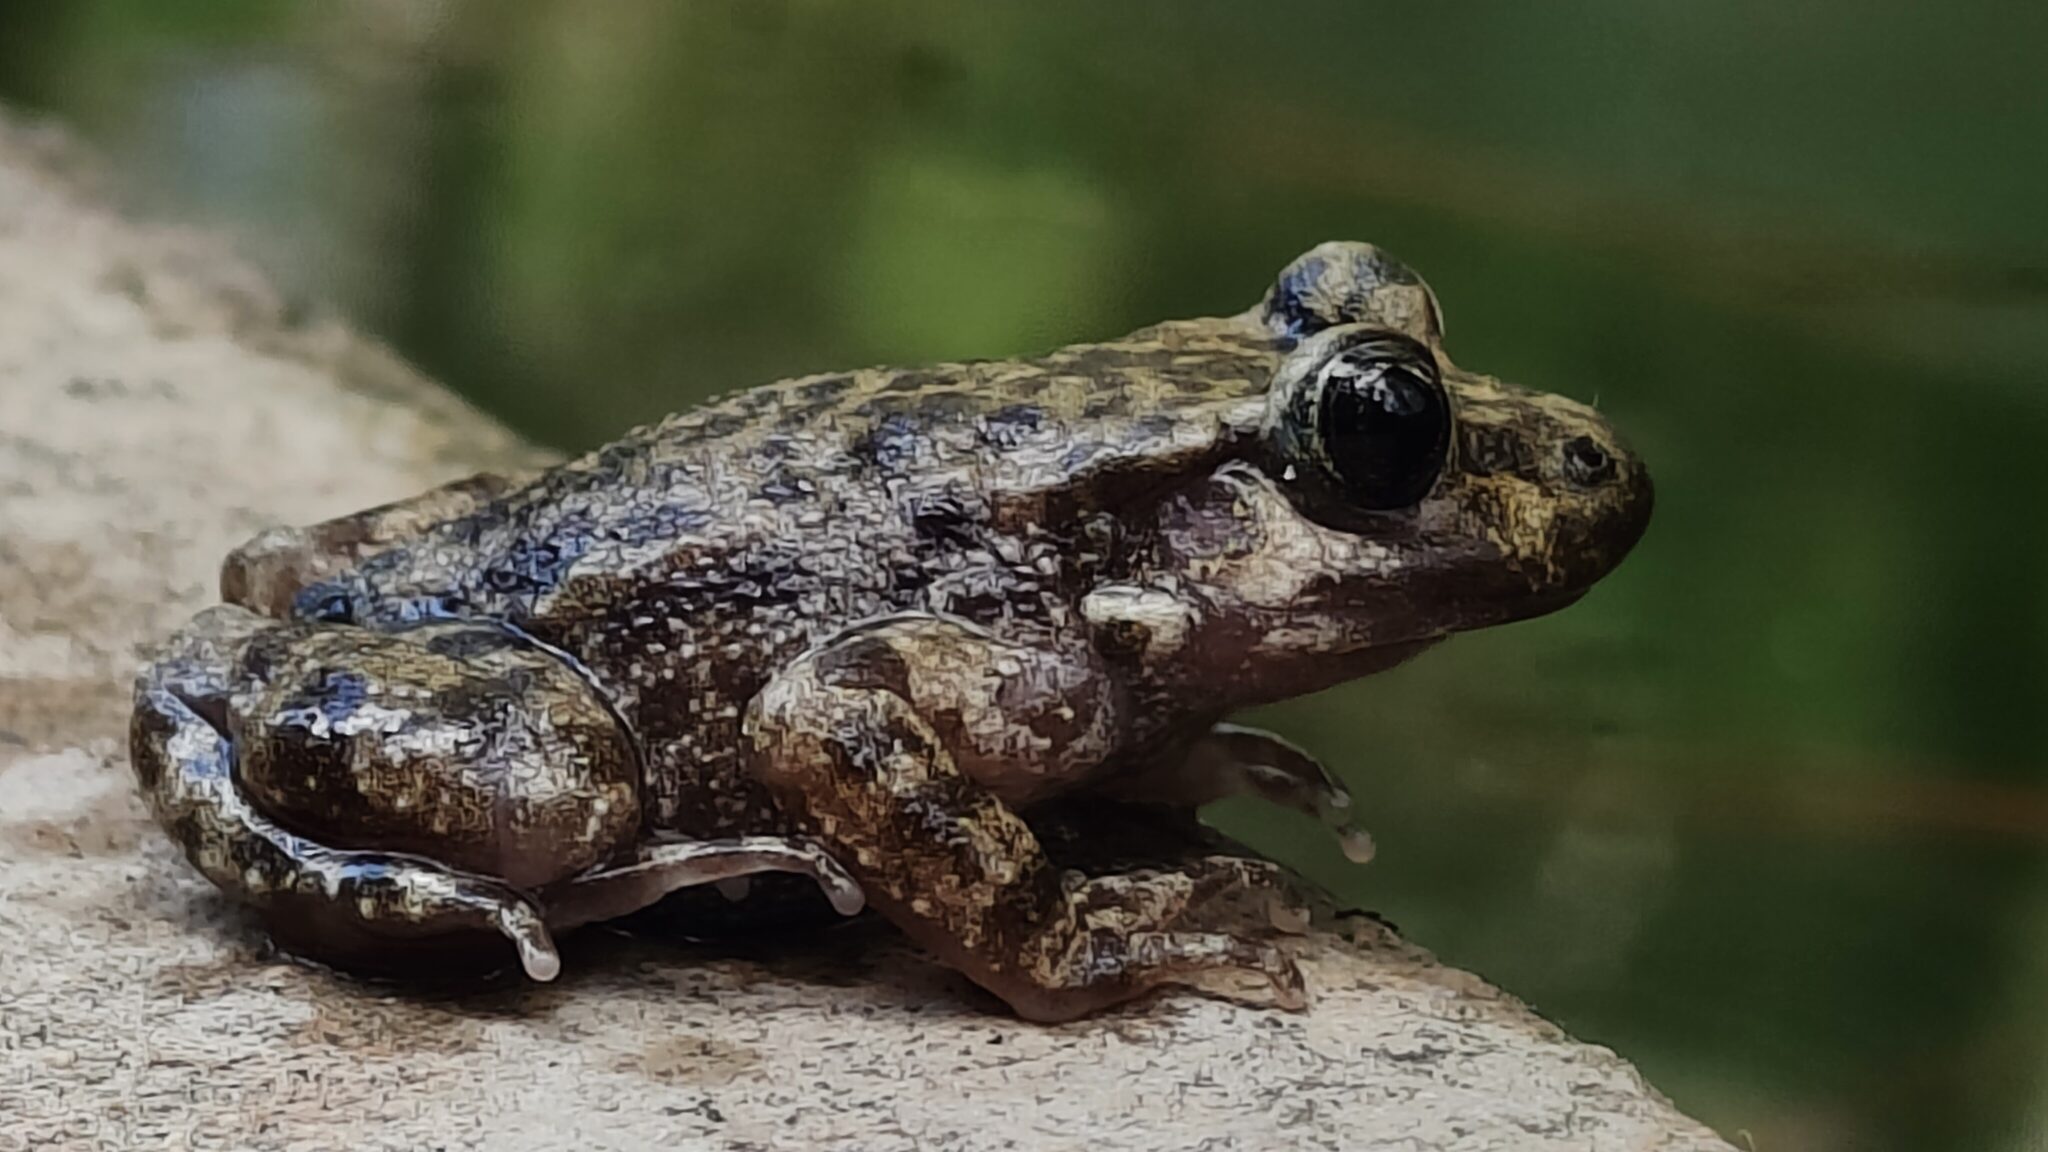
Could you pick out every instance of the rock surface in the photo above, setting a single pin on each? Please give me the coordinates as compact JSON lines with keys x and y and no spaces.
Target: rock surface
{"x":158,"y":404}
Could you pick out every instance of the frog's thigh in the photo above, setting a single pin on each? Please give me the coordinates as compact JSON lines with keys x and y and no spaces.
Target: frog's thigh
{"x":851,"y":742}
{"x":669,"y":867}
{"x":265,"y":573}
{"x":332,"y":900}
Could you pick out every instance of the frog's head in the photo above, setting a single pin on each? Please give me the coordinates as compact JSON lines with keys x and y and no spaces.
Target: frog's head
{"x":1392,"y":498}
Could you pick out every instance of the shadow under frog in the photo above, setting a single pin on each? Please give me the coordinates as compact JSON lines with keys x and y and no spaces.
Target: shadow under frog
{"x":934,"y":642}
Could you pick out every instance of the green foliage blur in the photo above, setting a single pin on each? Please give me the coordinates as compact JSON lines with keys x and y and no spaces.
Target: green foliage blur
{"x":1766,"y":812}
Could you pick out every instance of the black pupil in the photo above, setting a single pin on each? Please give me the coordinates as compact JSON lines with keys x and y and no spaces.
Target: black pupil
{"x":1385,"y":426}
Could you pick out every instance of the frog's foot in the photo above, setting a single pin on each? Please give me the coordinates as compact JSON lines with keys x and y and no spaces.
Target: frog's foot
{"x":664,"y":868}
{"x":1238,"y":893}
{"x":1232,"y":760}
{"x":1231,"y":892}
{"x":851,"y":743}
{"x":334,"y":899}
{"x":267,"y":573}
{"x":1120,"y":936}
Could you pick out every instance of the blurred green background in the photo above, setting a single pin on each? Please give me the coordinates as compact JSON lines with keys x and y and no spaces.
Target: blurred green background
{"x":1766,"y":812}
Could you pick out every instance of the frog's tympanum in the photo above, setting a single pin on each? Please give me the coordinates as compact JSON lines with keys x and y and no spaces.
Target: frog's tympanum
{"x":875,"y":632}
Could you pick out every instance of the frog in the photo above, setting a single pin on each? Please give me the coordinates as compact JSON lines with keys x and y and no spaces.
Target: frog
{"x":900,"y":643}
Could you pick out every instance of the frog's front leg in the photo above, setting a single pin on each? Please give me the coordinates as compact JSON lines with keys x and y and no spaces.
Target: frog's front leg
{"x":329,"y":898}
{"x":897,"y":746}
{"x":1233,"y":760}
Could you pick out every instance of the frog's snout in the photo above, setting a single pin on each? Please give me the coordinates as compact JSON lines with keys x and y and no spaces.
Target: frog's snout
{"x":1548,"y":483}
{"x":1636,"y":498}
{"x":1603,"y":498}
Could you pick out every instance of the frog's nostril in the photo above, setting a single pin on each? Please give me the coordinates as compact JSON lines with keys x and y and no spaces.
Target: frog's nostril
{"x":1586,"y":463}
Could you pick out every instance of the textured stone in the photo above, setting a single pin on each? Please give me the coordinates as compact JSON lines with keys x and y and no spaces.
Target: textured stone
{"x":158,"y":404}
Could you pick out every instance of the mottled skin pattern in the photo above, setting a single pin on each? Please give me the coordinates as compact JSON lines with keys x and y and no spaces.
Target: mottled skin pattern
{"x":870,"y":627}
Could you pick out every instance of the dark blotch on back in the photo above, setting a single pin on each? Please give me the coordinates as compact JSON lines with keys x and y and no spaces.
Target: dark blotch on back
{"x":334,"y":695}
{"x":1009,"y":427}
{"x":918,"y":382}
{"x":328,"y":602}
{"x":721,"y":423}
{"x":818,"y":393}
{"x":1110,"y":403}
{"x":531,"y":566}
{"x":486,"y":699}
{"x":1158,"y":425}
{"x":469,"y":643}
{"x":892,"y":447}
{"x":1080,"y":454}
{"x":946,"y":518}
{"x":868,"y":663}
{"x":784,"y":486}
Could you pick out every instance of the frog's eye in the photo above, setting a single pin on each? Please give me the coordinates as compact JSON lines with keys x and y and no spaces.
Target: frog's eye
{"x":1382,"y":421}
{"x":1344,"y":282}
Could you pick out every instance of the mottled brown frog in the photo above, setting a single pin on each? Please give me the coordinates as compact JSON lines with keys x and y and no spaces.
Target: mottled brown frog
{"x":867,"y":629}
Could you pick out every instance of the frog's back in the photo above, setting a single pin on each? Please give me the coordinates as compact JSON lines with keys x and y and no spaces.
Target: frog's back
{"x":684,"y":563}
{"x":866,"y":475}
{"x":1139,"y":396}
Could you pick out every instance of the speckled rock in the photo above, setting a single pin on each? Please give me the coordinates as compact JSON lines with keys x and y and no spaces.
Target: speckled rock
{"x":158,"y":404}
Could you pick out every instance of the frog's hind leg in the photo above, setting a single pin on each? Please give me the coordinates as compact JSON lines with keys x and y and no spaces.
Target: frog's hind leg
{"x":891,"y":744}
{"x":663,"y":868}
{"x":268,"y":571}
{"x":331,"y":901}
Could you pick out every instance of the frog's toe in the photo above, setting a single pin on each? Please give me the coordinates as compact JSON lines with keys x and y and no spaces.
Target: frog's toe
{"x":1258,"y":974}
{"x":1357,"y":845}
{"x":528,"y":931}
{"x":1223,"y":964}
{"x":1238,"y":893}
{"x":839,"y":886}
